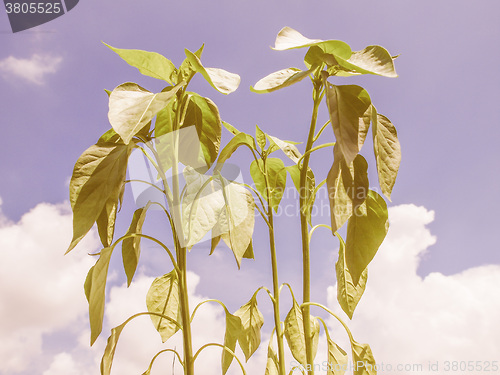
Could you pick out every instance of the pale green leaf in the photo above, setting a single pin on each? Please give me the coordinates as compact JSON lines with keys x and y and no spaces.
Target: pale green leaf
{"x":366,"y":231}
{"x":278,"y":80}
{"x":201,"y":207}
{"x":295,"y":336}
{"x":238,"y":140}
{"x":272,"y":364}
{"x":288,"y":148}
{"x":97,"y":179}
{"x":363,"y":360}
{"x":97,"y":295}
{"x":349,"y":108}
{"x":233,"y":331}
{"x":289,"y":38}
{"x":276,"y":175}
{"x":387,"y":151}
{"x":252,"y":321}
{"x":109,"y":351}
{"x":371,"y":60}
{"x":163,"y":298}
{"x":151,"y":64}
{"x":347,"y":187}
{"x":131,"y":247}
{"x":337,"y":359}
{"x":132,"y":107}
{"x":219,"y":205}
{"x":237,"y":219}
{"x":221,"y":80}
{"x":348,"y":294}
{"x":260,"y":136}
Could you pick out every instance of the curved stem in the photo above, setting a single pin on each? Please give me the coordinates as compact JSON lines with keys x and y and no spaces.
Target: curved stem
{"x":306,"y":262}
{"x":224,"y":348}
{"x":129,"y":235}
{"x":148,"y":183}
{"x":313,"y":229}
{"x":164,"y":351}
{"x":203,"y":302}
{"x":321,"y":131}
{"x":308,"y":152}
{"x":307,"y":304}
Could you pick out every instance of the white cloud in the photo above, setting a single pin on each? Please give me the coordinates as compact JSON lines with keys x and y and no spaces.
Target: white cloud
{"x":41,"y":289}
{"x":408,"y":319}
{"x":32,"y":70}
{"x":405,"y":318}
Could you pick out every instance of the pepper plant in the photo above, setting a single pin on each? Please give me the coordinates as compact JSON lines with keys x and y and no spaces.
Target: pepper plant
{"x":200,"y":201}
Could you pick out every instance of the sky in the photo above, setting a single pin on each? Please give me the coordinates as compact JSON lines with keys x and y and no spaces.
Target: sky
{"x":431,"y":294}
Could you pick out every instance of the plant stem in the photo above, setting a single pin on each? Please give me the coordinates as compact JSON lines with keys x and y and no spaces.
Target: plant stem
{"x":186,"y":319}
{"x":181,"y":253}
{"x":274,"y":266}
{"x":306,"y":263}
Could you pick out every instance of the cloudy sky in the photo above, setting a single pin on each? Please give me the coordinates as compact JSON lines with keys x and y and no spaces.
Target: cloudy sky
{"x":432,"y":294}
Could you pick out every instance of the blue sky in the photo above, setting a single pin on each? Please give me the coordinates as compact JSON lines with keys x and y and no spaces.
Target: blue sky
{"x":444,"y":105}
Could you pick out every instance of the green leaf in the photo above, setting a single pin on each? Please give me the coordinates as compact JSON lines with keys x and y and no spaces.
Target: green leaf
{"x":163,"y":298}
{"x":221,"y":80}
{"x":109,"y":352}
{"x":186,"y":71}
{"x":97,"y":295}
{"x":203,"y":114}
{"x":233,"y":331}
{"x":238,"y":140}
{"x":272,"y":360}
{"x":295,"y":336}
{"x":387,"y":151}
{"x":362,"y":354}
{"x":132,"y":107}
{"x":249,"y":252}
{"x":288,"y":148}
{"x":276,"y":175}
{"x":371,"y":60}
{"x":106,"y":221}
{"x":348,"y":294}
{"x":260,"y":136}
{"x":109,"y":137}
{"x":88,"y":283}
{"x":131,"y":247}
{"x":97,"y":179}
{"x":366,"y":231}
{"x":337,"y":359}
{"x":151,"y":64}
{"x":278,"y":80}
{"x":289,"y":38}
{"x":252,"y":321}
{"x":349,"y":108}
{"x":347,"y":187}
{"x":294,"y":172}
{"x":230,"y":128}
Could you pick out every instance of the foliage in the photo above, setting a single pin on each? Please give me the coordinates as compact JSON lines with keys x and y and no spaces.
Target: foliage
{"x":177,"y":127}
